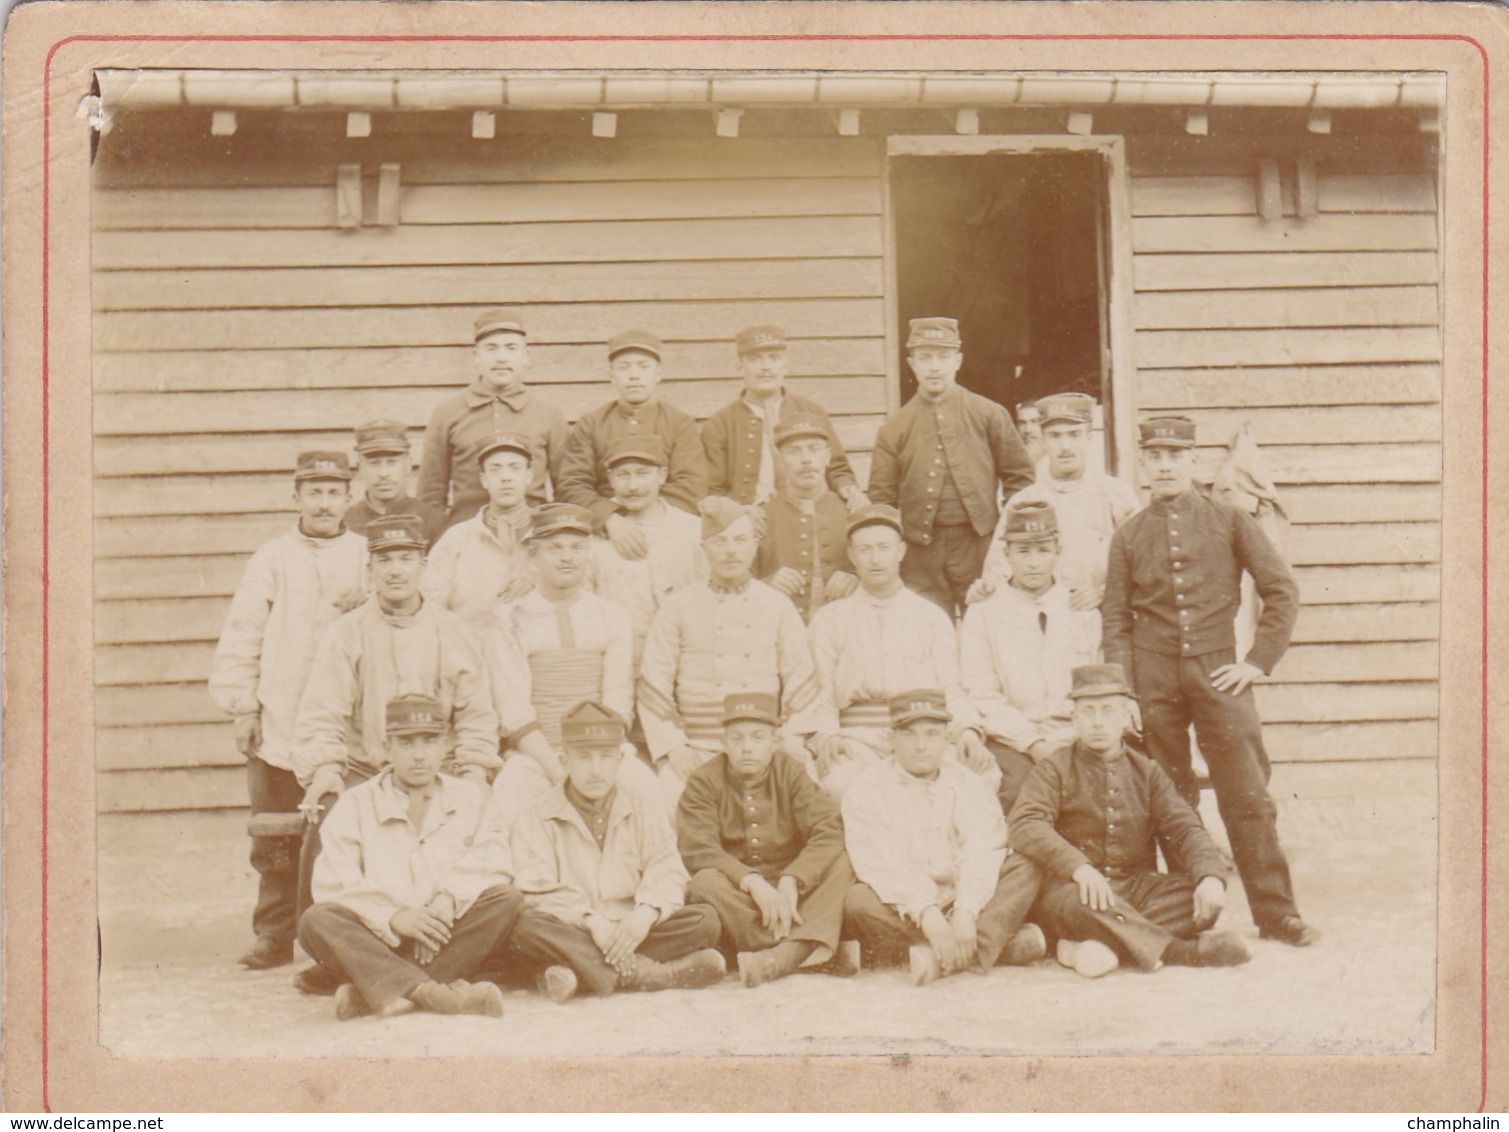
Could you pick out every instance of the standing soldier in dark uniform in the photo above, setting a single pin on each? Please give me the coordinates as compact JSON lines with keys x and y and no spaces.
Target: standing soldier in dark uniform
{"x":939,"y":459}
{"x":497,"y":402}
{"x":383,"y":466}
{"x":739,"y":438}
{"x":634,"y":367}
{"x":1172,"y":588}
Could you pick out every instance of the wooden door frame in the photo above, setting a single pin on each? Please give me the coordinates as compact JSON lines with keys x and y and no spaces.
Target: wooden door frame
{"x":1123,"y":418}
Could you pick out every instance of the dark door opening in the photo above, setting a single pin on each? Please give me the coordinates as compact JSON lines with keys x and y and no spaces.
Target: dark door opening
{"x":1012,"y":245}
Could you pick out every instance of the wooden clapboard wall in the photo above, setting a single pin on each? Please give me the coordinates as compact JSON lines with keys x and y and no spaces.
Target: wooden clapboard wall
{"x":234,"y":325}
{"x":1323,"y":333}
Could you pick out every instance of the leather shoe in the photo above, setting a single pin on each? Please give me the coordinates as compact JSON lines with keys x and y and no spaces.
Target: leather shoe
{"x":1291,"y":930}
{"x":268,"y":952}
{"x":316,"y":979}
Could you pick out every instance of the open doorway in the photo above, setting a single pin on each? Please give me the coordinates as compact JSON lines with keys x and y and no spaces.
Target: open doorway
{"x":1013,"y":245}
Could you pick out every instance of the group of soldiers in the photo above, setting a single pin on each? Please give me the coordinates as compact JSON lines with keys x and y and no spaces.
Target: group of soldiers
{"x":714,"y":701}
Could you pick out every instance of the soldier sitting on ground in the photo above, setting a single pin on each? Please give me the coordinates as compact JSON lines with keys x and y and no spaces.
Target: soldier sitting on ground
{"x":605,"y":885}
{"x":413,"y":884}
{"x":765,"y":846}
{"x":1092,"y":817}
{"x":938,"y":889}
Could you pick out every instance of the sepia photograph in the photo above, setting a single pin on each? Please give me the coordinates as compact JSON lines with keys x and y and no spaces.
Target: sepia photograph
{"x":802,"y":556}
{"x":713,"y":412}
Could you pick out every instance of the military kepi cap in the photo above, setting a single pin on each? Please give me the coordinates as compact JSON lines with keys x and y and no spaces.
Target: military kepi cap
{"x":497,"y":321}
{"x":381,"y":437}
{"x":761,"y":707}
{"x":506,"y":442}
{"x":415,"y":715}
{"x":933,"y":332}
{"x":920,"y":703}
{"x":720,"y":512}
{"x":1098,"y":680}
{"x":635,"y":340}
{"x":1031,"y":521}
{"x":800,"y":426}
{"x":322,"y":466}
{"x":395,"y":532}
{"x":875,"y":514}
{"x":753,"y":339}
{"x":645,"y":449}
{"x":1075,"y":408}
{"x":591,"y":724}
{"x":1166,"y":432}
{"x":560,"y":518}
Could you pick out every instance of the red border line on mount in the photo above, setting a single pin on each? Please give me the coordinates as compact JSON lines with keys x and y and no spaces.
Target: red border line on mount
{"x":46,"y":387}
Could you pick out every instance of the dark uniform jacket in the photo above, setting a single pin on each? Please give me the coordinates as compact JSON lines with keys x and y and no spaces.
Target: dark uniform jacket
{"x":1174,"y":578}
{"x":582,"y":479}
{"x":1076,"y":809}
{"x":459,"y":428}
{"x":362,"y":512}
{"x":816,"y":545}
{"x":783,"y":824}
{"x":965,"y":435}
{"x":732,"y":438}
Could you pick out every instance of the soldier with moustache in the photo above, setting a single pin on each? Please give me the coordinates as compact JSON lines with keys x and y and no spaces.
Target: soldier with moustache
{"x":497,"y":402}
{"x":803,"y":552}
{"x":634,"y":366}
{"x":739,"y":439}
{"x":1089,"y":505}
{"x":293,"y":588}
{"x":383,"y":464}
{"x":940,"y":459}
{"x":872,"y":645}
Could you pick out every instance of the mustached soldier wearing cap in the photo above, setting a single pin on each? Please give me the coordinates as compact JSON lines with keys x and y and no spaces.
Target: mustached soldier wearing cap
{"x":1092,"y":817}
{"x":1018,"y":647}
{"x":383,"y":464}
{"x":497,"y":402}
{"x":394,"y":644}
{"x":634,"y":361}
{"x":605,"y":885}
{"x":879,"y":641}
{"x":1090,"y":505}
{"x":765,"y":847}
{"x":1172,"y":591}
{"x":803,"y":552}
{"x":739,"y":439}
{"x":414,"y":884}
{"x":482,"y":561}
{"x":937,"y":889}
{"x":730,"y":633}
{"x":673,"y":539}
{"x":941,"y":458}
{"x":553,"y":648}
{"x":294,"y":587}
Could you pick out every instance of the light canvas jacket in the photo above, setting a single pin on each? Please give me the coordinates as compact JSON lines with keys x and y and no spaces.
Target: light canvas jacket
{"x":285,"y":600}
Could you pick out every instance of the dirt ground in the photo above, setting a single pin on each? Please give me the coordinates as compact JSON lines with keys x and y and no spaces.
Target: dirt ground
{"x":176,"y":898}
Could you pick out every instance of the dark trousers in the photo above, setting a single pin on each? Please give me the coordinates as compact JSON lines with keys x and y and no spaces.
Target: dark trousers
{"x":336,"y":938}
{"x":1150,"y":911}
{"x":943,"y":570}
{"x":884,"y":936}
{"x":1173,"y":692}
{"x":1015,"y":767}
{"x":541,"y":941}
{"x":822,"y":909}
{"x":274,"y":790}
{"x":309,"y":851}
